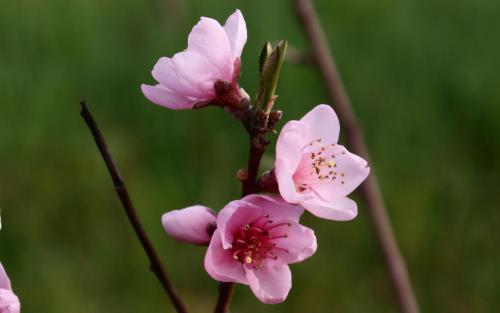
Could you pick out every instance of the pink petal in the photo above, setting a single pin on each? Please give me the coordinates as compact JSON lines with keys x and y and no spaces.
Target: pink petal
{"x":288,"y":155}
{"x":209,"y":39}
{"x":233,"y":216}
{"x":161,"y":96}
{"x":290,"y":143}
{"x":354,"y":170}
{"x":236,"y":31}
{"x":323,"y":124}
{"x":188,"y":74}
{"x":300,"y":242}
{"x":9,"y":302}
{"x":343,"y":209}
{"x":274,"y":206}
{"x":271,"y":282}
{"x":220,"y":265}
{"x":4,"y":279}
{"x":286,"y":185}
{"x":191,"y":225}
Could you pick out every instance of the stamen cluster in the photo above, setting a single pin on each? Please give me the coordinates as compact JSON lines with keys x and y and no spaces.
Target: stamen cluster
{"x":255,"y":241}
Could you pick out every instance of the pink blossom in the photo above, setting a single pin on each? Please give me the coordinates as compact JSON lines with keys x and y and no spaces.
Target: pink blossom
{"x":313,"y":170}
{"x":9,"y":303}
{"x":256,"y":238}
{"x":213,"y":54}
{"x":194,"y":224}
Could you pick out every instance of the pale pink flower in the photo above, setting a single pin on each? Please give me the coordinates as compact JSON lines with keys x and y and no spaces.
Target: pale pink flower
{"x":9,"y":303}
{"x":194,"y":224}
{"x":256,"y":238}
{"x":313,"y":170}
{"x":213,"y":54}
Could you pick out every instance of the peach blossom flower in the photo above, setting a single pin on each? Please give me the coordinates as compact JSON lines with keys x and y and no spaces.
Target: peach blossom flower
{"x":187,"y":80}
{"x":313,"y":170}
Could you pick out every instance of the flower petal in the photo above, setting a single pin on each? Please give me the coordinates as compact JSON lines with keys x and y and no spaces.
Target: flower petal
{"x":166,"y":98}
{"x":352,"y":171}
{"x":274,"y":206}
{"x":236,"y":31}
{"x":9,"y":302}
{"x":343,"y":209}
{"x":323,"y":124}
{"x":290,"y":142}
{"x":286,"y":185}
{"x":220,"y":265}
{"x":288,"y":155}
{"x":188,"y":74}
{"x":209,"y":39}
{"x":191,"y":225}
{"x":4,"y":279}
{"x":271,"y":282}
{"x":233,"y":216}
{"x":300,"y":242}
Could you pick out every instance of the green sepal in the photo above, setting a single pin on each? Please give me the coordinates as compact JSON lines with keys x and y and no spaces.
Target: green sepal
{"x":264,"y":54}
{"x":270,"y":65}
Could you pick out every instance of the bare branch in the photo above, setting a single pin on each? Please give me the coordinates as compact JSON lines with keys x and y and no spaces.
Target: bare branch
{"x":121,"y":191}
{"x":370,"y":189}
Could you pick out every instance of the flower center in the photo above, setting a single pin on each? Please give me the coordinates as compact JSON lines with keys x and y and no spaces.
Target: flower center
{"x":319,"y":164}
{"x":254,"y":242}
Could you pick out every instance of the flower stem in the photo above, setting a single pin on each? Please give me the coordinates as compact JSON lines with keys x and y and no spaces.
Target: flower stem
{"x":370,"y":189}
{"x":226,"y":291}
{"x":121,"y":190}
{"x":249,"y":186}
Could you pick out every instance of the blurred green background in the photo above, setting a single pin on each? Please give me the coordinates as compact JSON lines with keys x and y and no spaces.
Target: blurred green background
{"x":422,"y":75}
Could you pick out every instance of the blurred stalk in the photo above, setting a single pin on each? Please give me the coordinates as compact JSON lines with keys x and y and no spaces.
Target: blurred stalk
{"x":370,"y":189}
{"x":121,"y":190}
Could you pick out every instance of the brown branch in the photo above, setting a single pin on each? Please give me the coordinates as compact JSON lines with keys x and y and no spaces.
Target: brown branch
{"x":122,"y":193}
{"x":226,"y":291}
{"x":370,"y":189}
{"x":249,"y":186}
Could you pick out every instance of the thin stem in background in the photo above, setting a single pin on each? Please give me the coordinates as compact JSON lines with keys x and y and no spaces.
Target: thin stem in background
{"x":156,"y":265}
{"x":370,"y":189}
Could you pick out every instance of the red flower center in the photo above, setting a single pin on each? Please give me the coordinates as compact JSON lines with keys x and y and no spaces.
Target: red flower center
{"x":254,"y":242}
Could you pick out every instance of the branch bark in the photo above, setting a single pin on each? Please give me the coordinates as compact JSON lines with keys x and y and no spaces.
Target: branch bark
{"x":121,"y":190}
{"x":370,"y":189}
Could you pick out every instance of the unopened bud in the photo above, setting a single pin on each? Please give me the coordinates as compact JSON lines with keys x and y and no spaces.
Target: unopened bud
{"x":274,"y":118}
{"x":242,"y":174}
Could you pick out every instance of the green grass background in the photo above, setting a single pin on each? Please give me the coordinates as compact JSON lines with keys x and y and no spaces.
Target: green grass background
{"x":423,"y":78}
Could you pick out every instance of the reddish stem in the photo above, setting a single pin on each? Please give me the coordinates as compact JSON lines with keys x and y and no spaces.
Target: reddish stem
{"x":249,"y":186}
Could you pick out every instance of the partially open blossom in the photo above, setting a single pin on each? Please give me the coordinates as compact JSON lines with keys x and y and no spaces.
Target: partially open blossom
{"x":253,"y":242}
{"x":313,"y":170}
{"x":188,"y":79}
{"x":9,"y":303}
{"x":194,"y":224}
{"x":256,"y":238}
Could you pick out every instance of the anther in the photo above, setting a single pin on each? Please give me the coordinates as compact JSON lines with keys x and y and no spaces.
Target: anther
{"x":279,"y":237}
{"x":278,"y":225}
